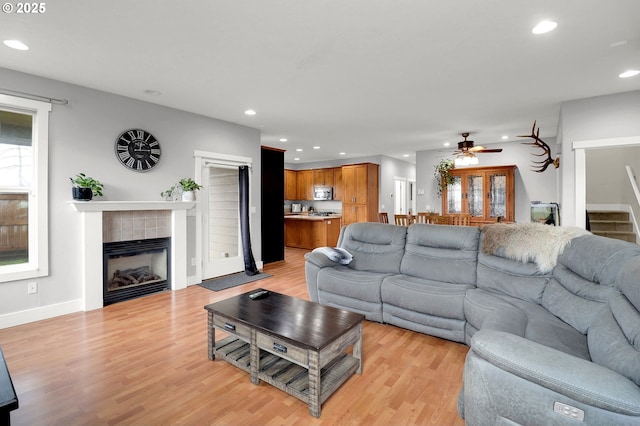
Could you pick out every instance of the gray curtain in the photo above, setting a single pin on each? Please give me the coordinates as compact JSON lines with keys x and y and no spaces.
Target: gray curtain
{"x":249,"y":263}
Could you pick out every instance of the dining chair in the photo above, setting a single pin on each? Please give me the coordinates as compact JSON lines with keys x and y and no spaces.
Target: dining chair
{"x":443,"y":220}
{"x":402,"y":219}
{"x":460,"y":219}
{"x":383,"y":217}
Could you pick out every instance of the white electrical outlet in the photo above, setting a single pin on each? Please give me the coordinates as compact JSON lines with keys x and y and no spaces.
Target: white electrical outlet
{"x":194,"y":261}
{"x":32,"y":288}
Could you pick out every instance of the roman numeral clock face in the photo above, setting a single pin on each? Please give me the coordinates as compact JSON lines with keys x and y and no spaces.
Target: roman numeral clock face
{"x":137,"y":150}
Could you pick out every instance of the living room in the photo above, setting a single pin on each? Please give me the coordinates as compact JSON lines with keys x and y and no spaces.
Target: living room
{"x":82,"y":134}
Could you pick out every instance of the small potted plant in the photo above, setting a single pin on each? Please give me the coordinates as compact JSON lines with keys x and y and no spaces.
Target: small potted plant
{"x":85,"y":187}
{"x":188,"y":186}
{"x":442,"y":174}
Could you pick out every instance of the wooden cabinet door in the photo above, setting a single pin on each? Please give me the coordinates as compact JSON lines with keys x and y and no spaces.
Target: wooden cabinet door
{"x":337,"y":184}
{"x":355,"y":183}
{"x":304,"y":181}
{"x":352,"y":213}
{"x":290,"y":185}
{"x":323,"y":177}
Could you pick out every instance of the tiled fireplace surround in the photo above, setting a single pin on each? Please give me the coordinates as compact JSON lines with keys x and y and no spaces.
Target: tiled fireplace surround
{"x":110,"y":221}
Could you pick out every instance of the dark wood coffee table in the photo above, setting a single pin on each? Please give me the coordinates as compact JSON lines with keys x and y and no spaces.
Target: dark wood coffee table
{"x":295,"y":345}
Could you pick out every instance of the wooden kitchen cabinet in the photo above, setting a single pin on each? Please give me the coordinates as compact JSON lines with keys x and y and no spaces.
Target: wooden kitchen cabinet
{"x":485,"y":193}
{"x":290,"y":185}
{"x":360,"y":193}
{"x":311,"y":233}
{"x":323,"y":177}
{"x":304,"y":182}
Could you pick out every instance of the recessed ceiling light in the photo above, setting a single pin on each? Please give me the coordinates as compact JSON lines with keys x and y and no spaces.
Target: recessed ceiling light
{"x":299,"y":149}
{"x":342,"y":153}
{"x":316,"y":147}
{"x":297,"y":158}
{"x":505,"y":137}
{"x":283,"y":139}
{"x":447,"y":144}
{"x":629,"y":73}
{"x":250,"y":112}
{"x":619,"y":43}
{"x":405,"y":155}
{"x":544,"y":27}
{"x":152,"y":92}
{"x":16,"y":44}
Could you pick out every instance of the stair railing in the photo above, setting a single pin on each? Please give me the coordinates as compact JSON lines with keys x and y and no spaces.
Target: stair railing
{"x":636,"y":192}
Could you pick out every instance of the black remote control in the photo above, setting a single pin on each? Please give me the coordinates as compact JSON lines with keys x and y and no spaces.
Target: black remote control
{"x":259,"y":295}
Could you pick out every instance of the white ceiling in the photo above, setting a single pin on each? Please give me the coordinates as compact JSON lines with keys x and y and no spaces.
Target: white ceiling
{"x":367,"y":77}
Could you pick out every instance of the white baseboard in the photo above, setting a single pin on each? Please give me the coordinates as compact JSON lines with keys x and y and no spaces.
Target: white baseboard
{"x":40,"y":313}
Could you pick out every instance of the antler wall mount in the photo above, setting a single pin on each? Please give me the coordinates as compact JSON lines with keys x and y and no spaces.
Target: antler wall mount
{"x":540,"y":166}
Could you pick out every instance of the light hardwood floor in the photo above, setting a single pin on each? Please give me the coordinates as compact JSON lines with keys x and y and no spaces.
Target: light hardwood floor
{"x":144,"y":362}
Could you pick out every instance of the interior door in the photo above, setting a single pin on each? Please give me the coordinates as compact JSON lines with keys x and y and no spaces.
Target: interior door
{"x":222,"y":247}
{"x":400,"y":196}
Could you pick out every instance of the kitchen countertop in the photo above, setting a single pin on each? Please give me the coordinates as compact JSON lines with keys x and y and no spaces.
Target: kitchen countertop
{"x":306,"y":216}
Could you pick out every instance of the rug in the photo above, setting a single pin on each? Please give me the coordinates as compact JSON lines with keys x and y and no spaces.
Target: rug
{"x":233,"y":280}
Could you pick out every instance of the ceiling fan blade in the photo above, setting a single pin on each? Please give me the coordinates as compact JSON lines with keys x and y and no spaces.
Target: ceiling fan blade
{"x":489,"y":150}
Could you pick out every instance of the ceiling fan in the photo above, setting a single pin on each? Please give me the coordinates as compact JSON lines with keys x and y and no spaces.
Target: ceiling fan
{"x":466,"y":152}
{"x":466,"y":146}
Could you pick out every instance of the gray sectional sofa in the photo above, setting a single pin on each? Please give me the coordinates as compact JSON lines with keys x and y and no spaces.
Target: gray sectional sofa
{"x":552,"y":341}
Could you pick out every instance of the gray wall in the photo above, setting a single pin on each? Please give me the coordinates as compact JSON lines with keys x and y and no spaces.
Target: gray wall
{"x":602,"y":117}
{"x":81,"y":139}
{"x":529,"y":185}
{"x":607,"y":180}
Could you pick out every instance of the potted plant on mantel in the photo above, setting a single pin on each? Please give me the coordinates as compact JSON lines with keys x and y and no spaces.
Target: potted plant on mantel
{"x":85,"y":187}
{"x":185,"y":186}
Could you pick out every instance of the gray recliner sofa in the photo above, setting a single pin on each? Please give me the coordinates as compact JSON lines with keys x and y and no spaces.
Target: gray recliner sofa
{"x":551,"y":346}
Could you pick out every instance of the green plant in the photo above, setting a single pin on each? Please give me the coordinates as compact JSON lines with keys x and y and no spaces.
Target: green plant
{"x":442,"y":174}
{"x":169,"y":193}
{"x":83,"y":181}
{"x":183,"y":185}
{"x":188,"y":184}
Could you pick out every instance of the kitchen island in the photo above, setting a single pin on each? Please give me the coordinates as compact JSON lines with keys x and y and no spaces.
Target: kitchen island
{"x":309,"y":231}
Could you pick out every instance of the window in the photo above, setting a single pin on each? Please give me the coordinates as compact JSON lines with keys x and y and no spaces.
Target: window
{"x":24,"y":129}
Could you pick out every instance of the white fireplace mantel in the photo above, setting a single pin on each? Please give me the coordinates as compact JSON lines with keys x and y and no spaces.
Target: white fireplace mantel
{"x":91,"y":235}
{"x":114,"y":206}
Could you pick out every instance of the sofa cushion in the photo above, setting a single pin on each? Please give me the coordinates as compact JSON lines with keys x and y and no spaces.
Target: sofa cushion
{"x":573,"y":299}
{"x":342,"y":280}
{"x":614,"y":338}
{"x":375,"y":247}
{"x":528,"y":320}
{"x":511,"y":278}
{"x":425,"y":296}
{"x":357,"y":291}
{"x":441,"y":253}
{"x":597,"y":259}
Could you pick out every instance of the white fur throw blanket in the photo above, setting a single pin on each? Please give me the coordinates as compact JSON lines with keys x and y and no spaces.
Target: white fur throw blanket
{"x":524,"y":242}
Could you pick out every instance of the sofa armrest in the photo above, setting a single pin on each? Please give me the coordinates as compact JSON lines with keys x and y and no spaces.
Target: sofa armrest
{"x":575,"y":378}
{"x":314,"y":263}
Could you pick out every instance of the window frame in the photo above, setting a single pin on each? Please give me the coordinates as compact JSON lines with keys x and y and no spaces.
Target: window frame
{"x":38,"y":264}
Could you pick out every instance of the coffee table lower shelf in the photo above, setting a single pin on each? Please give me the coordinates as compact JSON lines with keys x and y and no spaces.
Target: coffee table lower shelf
{"x":286,"y":375}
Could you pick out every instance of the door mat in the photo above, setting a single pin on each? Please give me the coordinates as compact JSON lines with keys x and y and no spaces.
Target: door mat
{"x":233,"y":280}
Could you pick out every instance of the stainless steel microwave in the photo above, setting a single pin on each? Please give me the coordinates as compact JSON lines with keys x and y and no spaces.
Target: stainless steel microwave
{"x":322,"y":193}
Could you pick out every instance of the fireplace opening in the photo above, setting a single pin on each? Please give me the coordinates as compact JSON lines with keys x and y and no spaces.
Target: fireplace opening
{"x":136,"y":268}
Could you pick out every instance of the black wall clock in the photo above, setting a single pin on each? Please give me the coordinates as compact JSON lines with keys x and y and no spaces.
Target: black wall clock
{"x":137,"y":150}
